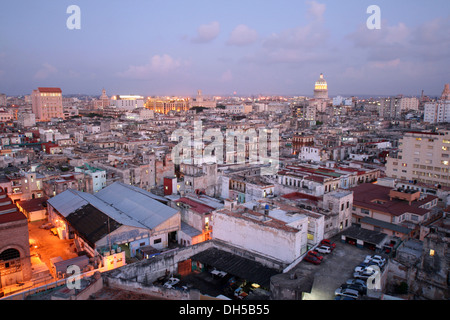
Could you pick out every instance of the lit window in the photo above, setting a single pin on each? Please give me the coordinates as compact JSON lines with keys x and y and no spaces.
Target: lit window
{"x":432,"y":252}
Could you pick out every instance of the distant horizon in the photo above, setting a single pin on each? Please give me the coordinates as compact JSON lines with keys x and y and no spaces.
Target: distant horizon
{"x":229,"y":95}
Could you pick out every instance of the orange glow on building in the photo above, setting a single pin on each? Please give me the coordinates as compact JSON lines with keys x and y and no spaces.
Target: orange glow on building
{"x":164,"y":106}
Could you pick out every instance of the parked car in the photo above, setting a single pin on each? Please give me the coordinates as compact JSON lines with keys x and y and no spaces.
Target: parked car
{"x":361,"y":289}
{"x":366,"y":274}
{"x":324,"y":249}
{"x":347,"y":293}
{"x":315,"y":254}
{"x":361,"y":267}
{"x":358,"y":282}
{"x":329,"y":243}
{"x":377,"y":262}
{"x":376,"y":258}
{"x":171,"y":282}
{"x":312,"y":259}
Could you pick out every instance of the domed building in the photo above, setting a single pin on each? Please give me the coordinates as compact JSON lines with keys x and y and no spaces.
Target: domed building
{"x":321,"y":88}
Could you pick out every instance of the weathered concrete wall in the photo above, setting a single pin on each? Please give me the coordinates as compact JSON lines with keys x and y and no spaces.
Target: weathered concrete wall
{"x":259,"y":238}
{"x":95,"y":286}
{"x":156,"y":291}
{"x":149,"y":270}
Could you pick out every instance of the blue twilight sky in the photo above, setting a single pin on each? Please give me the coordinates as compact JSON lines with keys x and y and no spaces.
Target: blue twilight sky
{"x":176,"y":47}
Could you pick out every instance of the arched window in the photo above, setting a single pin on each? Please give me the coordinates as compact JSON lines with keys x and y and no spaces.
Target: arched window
{"x":9,"y":254}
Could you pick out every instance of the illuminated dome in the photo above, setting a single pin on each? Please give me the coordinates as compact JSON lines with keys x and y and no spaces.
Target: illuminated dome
{"x":321,"y":88}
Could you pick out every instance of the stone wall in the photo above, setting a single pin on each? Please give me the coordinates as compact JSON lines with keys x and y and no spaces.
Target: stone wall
{"x":14,"y":235}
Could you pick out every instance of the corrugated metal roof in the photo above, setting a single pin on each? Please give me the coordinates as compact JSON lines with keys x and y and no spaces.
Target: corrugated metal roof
{"x":121,"y":217}
{"x":67,"y":202}
{"x":125,"y":204}
{"x":140,"y":205}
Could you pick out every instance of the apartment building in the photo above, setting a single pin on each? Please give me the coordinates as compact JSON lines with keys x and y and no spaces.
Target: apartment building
{"x":390,"y":108}
{"x":394,"y":211}
{"x":47,"y":103}
{"x":422,"y":157}
{"x":409,"y":103}
{"x":438,"y":111}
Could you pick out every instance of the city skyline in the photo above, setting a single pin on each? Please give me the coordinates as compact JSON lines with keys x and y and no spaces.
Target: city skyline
{"x":271,"y":48}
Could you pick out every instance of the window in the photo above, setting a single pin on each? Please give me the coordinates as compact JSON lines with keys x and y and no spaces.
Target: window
{"x":365,"y":211}
{"x":157,"y":241}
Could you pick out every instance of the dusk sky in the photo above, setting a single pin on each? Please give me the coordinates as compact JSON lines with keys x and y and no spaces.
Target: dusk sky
{"x":250,"y":46}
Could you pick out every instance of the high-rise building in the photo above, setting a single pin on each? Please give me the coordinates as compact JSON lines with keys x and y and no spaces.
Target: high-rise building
{"x":411,"y":103}
{"x":389,"y":108}
{"x":438,"y":111}
{"x":47,"y":104}
{"x":321,"y":88}
{"x":422,"y":157}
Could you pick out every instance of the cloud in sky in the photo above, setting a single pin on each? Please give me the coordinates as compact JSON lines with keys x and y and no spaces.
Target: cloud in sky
{"x":316,"y":10}
{"x":242,"y":35}
{"x":157,"y":64}
{"x":46,"y":71}
{"x":207,"y":32}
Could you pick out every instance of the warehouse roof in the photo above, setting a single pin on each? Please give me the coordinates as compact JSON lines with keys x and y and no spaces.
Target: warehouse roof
{"x":125,"y":204}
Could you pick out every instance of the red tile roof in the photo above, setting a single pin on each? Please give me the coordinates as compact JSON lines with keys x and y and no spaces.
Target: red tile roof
{"x":50,"y":90}
{"x":9,"y":211}
{"x":365,"y":194}
{"x":196,"y":206}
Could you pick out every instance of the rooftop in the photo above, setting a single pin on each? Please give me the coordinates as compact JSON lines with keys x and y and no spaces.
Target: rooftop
{"x":376,"y":197}
{"x":196,"y":206}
